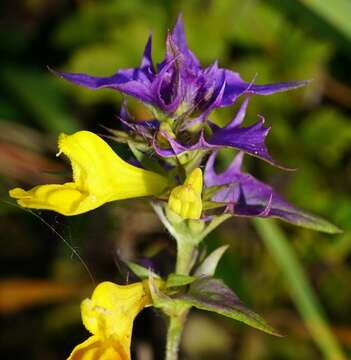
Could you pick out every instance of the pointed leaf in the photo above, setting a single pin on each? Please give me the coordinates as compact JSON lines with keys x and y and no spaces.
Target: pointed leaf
{"x":141,"y":271}
{"x":213,"y":295}
{"x":176,"y":280}
{"x":209,"y":265}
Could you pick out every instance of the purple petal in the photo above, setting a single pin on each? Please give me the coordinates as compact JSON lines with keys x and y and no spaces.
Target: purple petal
{"x":278,"y":87}
{"x":166,"y":88}
{"x":237,"y":87}
{"x":178,"y":35}
{"x":127,"y":81}
{"x":146,"y":61}
{"x":240,"y":116}
{"x":250,"y":139}
{"x":211,"y":178}
{"x":133,"y":81}
{"x":247,"y":196}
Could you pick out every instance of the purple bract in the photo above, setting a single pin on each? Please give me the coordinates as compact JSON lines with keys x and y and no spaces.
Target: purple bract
{"x":179,"y":87}
{"x":244,"y":195}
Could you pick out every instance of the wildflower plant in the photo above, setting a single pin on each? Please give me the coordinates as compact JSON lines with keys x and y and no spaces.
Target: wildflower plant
{"x":187,"y":193}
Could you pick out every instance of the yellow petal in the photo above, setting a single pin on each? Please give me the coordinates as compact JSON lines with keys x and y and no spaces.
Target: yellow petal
{"x":111,"y":311}
{"x":99,"y":176}
{"x":96,"y":349}
{"x":185,"y":200}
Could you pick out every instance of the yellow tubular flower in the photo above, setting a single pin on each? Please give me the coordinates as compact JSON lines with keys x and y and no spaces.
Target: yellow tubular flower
{"x":109,"y":316}
{"x":185,"y":200}
{"x":99,"y":176}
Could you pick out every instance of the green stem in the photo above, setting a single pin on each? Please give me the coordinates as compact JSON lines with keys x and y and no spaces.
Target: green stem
{"x":186,"y":255}
{"x":174,"y":334}
{"x":187,"y":244}
{"x":213,"y":225}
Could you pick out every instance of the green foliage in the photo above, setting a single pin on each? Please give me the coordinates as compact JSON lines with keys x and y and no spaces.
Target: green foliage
{"x":303,"y":295}
{"x":141,"y":271}
{"x":338,"y":14}
{"x":209,"y":265}
{"x":175,"y":280}
{"x":213,"y":295}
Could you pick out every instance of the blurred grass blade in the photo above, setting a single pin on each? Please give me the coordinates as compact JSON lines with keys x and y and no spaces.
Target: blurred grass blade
{"x":302,"y":294}
{"x":336,"y":12}
{"x":37,"y":92}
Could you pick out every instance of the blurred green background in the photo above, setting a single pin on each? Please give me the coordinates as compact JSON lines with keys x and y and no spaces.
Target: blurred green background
{"x":42,"y":283}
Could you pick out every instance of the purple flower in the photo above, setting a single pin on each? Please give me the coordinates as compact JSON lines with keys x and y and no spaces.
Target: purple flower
{"x":244,"y":195}
{"x":179,"y":88}
{"x":248,"y":139}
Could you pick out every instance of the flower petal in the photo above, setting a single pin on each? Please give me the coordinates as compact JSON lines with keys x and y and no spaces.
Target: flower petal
{"x":236,"y":87}
{"x":110,"y":313}
{"x":99,"y":175}
{"x":113,"y":308}
{"x":65,"y":199}
{"x":96,"y":349}
{"x":133,"y":82}
{"x":251,"y":140}
{"x":178,"y":36}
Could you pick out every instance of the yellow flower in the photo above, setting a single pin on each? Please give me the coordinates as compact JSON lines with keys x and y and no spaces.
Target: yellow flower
{"x":99,"y":176}
{"x":185,"y":200}
{"x":109,"y":316}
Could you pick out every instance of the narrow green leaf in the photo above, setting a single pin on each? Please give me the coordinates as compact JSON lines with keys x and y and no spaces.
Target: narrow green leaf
{"x":302,"y":218}
{"x":213,"y":295}
{"x":176,"y":280}
{"x":302,"y":294}
{"x":336,"y":13}
{"x":141,"y":271}
{"x":37,"y":91}
{"x":209,"y":265}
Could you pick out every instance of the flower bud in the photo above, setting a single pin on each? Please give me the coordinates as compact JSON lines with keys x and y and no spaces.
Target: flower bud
{"x":185,"y":200}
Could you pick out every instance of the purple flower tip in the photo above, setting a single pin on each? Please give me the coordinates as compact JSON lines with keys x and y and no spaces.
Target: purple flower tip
{"x":180,"y":86}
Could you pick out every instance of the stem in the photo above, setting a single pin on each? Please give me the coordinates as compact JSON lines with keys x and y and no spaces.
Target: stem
{"x":212,"y":225}
{"x":186,"y":255}
{"x":174,"y":334}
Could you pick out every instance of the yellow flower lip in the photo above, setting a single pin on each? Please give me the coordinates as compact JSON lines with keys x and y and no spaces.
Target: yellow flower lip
{"x":185,"y":200}
{"x":99,"y":176}
{"x":109,"y":315}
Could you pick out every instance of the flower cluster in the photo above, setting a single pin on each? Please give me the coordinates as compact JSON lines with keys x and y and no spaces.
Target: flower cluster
{"x":181,"y":179}
{"x":181,"y":94}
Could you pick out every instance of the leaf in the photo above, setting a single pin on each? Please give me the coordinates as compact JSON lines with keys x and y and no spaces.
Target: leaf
{"x":38,"y":93}
{"x":176,"y":280}
{"x":213,"y":295}
{"x":141,"y":271}
{"x":337,"y":13}
{"x":313,"y":222}
{"x":209,"y":265}
{"x":209,"y":205}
